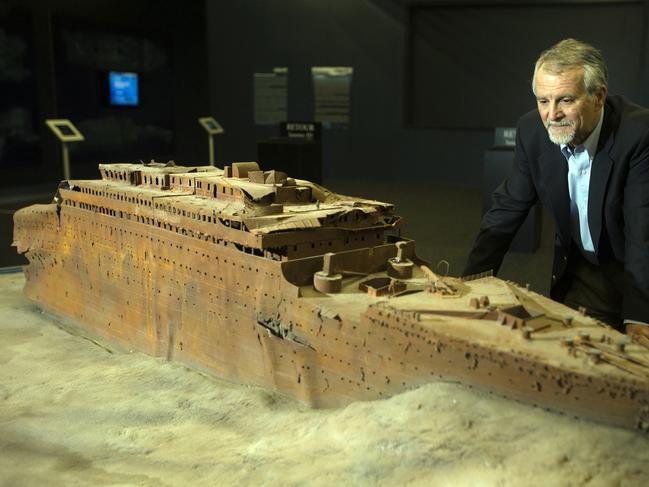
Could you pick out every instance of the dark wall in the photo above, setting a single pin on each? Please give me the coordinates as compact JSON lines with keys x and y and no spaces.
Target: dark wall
{"x":374,"y":37}
{"x":486,"y":53}
{"x":215,"y":47}
{"x":367,"y":35}
{"x":72,"y":45}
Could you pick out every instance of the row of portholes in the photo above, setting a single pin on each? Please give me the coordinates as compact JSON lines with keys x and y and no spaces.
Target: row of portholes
{"x":207,"y":237}
{"x":384,"y":324}
{"x":172,"y":210}
{"x":98,"y":209}
{"x":175,"y":228}
{"x":218,"y":241}
{"x":398,"y":345}
{"x":330,"y":243}
{"x":123,"y":232}
{"x":213,"y":261}
{"x":117,"y":196}
{"x":160,"y":181}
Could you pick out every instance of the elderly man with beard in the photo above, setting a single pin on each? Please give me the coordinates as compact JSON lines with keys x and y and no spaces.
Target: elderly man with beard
{"x":585,"y":156}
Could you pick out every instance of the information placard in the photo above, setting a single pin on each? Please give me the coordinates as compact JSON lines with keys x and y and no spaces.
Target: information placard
{"x":271,"y":96}
{"x":332,"y":90}
{"x":64,"y":130}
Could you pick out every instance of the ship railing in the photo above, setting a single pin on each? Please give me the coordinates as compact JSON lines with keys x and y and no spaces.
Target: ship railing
{"x":474,"y":277}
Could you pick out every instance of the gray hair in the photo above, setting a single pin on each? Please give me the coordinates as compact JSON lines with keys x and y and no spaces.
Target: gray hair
{"x":569,"y":54}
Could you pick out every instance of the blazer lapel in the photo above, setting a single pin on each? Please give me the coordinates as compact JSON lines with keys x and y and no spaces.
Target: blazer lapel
{"x":555,"y":167}
{"x":599,"y":175}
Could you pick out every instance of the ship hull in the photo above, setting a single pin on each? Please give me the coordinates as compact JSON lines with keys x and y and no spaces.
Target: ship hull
{"x":239,"y":317}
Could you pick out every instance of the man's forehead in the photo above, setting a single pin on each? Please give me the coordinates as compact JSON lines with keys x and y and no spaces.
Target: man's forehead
{"x":551,"y":80}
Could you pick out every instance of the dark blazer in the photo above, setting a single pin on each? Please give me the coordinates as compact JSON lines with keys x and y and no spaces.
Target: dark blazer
{"x":618,"y":203}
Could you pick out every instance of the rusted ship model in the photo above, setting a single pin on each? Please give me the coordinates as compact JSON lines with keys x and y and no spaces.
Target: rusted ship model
{"x":263,"y":279}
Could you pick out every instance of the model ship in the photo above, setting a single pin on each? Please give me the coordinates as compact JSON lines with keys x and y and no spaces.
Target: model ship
{"x":263,"y":279}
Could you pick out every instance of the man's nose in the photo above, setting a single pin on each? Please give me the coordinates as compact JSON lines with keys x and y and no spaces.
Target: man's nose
{"x":554,"y":112}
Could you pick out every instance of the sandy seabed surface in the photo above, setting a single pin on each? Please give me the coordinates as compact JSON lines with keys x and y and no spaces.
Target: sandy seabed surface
{"x":74,"y":411}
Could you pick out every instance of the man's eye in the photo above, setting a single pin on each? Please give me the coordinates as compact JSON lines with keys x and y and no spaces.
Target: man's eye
{"x":542,"y":102}
{"x":567,"y":100}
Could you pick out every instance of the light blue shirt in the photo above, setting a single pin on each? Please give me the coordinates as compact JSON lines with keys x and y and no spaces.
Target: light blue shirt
{"x":580,"y":161}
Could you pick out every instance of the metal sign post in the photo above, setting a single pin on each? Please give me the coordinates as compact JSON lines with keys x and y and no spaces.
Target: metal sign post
{"x":210,"y":138}
{"x":212,"y":127}
{"x":66,"y":132}
{"x":65,"y":155}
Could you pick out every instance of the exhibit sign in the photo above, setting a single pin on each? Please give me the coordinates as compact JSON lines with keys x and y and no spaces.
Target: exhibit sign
{"x":332,"y":92}
{"x":271,"y":96}
{"x":66,"y":132}
{"x":64,"y":129}
{"x":212,"y":127}
{"x":505,"y":136}
{"x":300,"y":130}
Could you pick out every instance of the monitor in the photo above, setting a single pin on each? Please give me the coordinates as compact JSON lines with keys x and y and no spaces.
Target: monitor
{"x":123,"y":89}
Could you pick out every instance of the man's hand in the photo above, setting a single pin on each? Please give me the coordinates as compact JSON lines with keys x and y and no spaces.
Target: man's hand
{"x":638,"y":333}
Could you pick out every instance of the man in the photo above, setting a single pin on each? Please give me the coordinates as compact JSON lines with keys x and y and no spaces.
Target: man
{"x":585,"y":155}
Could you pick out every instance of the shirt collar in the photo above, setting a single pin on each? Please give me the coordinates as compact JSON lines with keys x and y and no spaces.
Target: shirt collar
{"x":590,"y":144}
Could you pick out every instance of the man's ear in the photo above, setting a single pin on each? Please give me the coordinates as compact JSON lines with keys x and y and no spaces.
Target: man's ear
{"x":600,"y":96}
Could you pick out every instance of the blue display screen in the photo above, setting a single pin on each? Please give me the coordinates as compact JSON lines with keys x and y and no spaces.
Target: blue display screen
{"x":123,"y":89}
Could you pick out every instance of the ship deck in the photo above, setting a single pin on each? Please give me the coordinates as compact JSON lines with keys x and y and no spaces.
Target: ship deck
{"x":438,"y":314}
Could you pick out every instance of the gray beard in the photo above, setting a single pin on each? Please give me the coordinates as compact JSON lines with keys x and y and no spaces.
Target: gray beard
{"x":565,"y":137}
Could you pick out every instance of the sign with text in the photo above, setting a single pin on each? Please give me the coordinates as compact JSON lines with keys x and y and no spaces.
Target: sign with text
{"x":505,"y":136}
{"x":332,"y":91}
{"x":271,"y":96}
{"x":300,"y":130}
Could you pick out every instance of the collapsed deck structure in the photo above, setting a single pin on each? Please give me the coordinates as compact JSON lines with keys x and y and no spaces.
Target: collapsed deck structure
{"x":263,"y":279}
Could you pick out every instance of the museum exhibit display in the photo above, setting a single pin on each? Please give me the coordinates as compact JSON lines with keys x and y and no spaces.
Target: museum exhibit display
{"x":260,"y":278}
{"x":212,"y":127}
{"x":66,"y":132}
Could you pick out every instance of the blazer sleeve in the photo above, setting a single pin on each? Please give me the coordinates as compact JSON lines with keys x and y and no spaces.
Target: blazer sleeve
{"x":635,"y":302}
{"x":511,"y":203}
